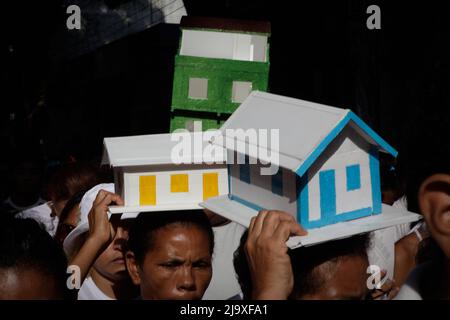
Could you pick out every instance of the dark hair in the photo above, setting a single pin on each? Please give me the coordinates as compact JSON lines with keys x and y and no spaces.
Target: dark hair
{"x":25,"y":244}
{"x":141,"y":236}
{"x":304,"y":260}
{"x":429,"y":154}
{"x":64,"y":229}
{"x":72,"y":178}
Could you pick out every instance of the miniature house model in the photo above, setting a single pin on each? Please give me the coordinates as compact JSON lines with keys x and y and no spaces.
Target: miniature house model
{"x":219,"y":62}
{"x":328,"y":168}
{"x":148,"y":180}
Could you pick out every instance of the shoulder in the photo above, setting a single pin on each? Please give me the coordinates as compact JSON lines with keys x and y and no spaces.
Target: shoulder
{"x":411,"y":289}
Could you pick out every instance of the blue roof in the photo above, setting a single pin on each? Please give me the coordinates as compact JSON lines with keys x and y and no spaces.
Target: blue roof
{"x":305,"y":129}
{"x":351,"y":116}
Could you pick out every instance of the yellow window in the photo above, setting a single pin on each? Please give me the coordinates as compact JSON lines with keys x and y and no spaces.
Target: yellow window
{"x":210,"y":185}
{"x":179,"y":183}
{"x":147,"y":190}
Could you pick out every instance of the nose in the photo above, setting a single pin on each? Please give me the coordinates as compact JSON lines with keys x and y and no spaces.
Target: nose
{"x":120,"y":238}
{"x":187,"y":281}
{"x":121,"y":233}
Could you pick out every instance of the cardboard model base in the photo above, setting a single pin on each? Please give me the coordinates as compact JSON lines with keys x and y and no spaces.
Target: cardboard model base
{"x":242,"y":214}
{"x":160,"y":207}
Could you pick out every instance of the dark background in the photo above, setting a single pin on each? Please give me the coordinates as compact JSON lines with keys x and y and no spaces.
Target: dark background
{"x":59,"y":107}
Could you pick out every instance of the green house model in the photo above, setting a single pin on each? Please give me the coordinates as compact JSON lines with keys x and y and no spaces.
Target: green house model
{"x":219,"y":62}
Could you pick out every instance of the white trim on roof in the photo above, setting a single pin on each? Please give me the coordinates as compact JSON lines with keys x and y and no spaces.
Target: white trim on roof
{"x":305,"y":128}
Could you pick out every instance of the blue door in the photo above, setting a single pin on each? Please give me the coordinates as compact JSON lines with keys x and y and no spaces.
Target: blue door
{"x":327,"y":195}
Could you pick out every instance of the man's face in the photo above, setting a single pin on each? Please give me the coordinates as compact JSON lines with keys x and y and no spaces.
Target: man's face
{"x":111,"y":263}
{"x":28,"y":284}
{"x":345,"y":279}
{"x":178,"y":267}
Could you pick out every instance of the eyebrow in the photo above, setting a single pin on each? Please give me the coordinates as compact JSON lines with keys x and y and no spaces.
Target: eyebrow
{"x":181,"y":260}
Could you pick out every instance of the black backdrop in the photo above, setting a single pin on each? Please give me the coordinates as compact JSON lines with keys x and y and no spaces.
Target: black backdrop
{"x":396,"y":78}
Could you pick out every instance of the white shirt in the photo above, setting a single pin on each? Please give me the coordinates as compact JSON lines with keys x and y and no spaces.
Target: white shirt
{"x":410,"y":290}
{"x":224,"y":284}
{"x":43,"y":215}
{"x":16,"y":208}
{"x":90,"y":291}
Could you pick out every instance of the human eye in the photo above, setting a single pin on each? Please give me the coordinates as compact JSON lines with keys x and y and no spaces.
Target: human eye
{"x":171,"y":264}
{"x":201,"y":264}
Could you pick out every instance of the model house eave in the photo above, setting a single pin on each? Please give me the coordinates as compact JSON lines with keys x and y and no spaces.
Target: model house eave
{"x":307,"y":130}
{"x":154,"y":149}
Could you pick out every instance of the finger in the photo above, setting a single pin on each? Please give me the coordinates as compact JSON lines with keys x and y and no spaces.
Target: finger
{"x":284,"y":216}
{"x":377,"y":294}
{"x":110,"y":198}
{"x":387,"y":286}
{"x":286,"y":229}
{"x":252,"y":223}
{"x":393,"y":293}
{"x":101,"y":194}
{"x":257,"y":226}
{"x":270,"y":223}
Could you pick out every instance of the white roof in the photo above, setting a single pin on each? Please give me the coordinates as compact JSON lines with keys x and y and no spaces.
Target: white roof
{"x":153,"y":149}
{"x":305,"y":128}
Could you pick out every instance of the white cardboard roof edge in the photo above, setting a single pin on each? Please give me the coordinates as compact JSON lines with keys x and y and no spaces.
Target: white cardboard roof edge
{"x":151,"y":159}
{"x":242,"y":214}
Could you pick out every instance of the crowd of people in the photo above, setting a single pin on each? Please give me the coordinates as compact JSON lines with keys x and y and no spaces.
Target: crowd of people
{"x":60,"y":242}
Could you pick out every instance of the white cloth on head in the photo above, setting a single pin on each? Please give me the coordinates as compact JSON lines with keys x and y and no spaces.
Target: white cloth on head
{"x":43,"y":215}
{"x":224,"y":284}
{"x":90,"y":291}
{"x":85,"y":206}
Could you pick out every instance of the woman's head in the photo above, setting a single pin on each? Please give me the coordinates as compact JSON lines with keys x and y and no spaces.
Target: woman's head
{"x":69,"y":217}
{"x":334,"y":270}
{"x":69,"y":180}
{"x":170,"y":254}
{"x":110,"y":264}
{"x":32,"y":265}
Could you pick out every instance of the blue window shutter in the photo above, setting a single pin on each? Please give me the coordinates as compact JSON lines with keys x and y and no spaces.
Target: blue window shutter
{"x":277,"y":182}
{"x":353,"y":177}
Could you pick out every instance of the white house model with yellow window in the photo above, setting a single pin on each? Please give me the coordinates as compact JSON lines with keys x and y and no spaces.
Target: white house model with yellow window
{"x":147,"y":178}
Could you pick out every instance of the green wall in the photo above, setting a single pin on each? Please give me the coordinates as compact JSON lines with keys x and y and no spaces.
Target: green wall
{"x":220,"y":74}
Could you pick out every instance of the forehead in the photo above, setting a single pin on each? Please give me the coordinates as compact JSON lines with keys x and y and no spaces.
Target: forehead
{"x":27,"y":284}
{"x":349,"y":279}
{"x":180,"y":240}
{"x":116,"y":221}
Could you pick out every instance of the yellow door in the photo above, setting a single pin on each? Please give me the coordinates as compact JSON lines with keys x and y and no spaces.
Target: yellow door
{"x":147,"y":190}
{"x":210,"y":185}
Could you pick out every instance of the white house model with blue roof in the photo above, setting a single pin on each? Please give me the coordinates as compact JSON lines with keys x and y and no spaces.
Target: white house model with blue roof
{"x":328,"y":163}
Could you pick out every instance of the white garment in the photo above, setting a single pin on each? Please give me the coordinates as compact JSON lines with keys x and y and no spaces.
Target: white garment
{"x":224,"y":284}
{"x":16,"y":208}
{"x":410,"y":290}
{"x":43,"y":215}
{"x":90,"y":291}
{"x":382,"y":250}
